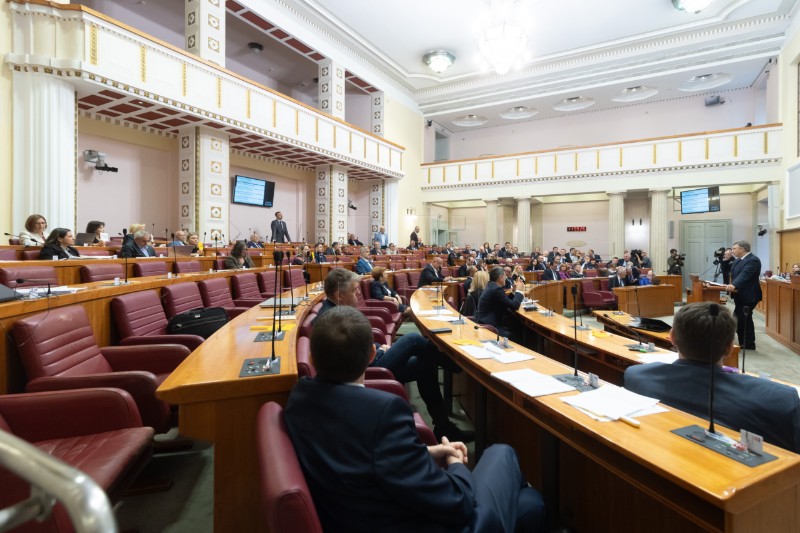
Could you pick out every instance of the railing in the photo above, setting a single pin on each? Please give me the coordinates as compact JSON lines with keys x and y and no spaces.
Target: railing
{"x":86,"y":503}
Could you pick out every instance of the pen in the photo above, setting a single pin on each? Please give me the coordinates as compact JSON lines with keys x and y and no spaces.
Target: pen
{"x":631,"y":421}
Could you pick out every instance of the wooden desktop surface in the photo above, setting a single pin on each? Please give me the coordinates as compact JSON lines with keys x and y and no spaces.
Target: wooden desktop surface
{"x":648,"y":301}
{"x":608,"y":476}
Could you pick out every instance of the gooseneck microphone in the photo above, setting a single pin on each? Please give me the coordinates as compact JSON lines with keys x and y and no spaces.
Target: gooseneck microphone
{"x":746,"y":314}
{"x":460,"y":320}
{"x":573,"y":379}
{"x":574,"y":291}
{"x":174,"y":251}
{"x":20,"y":281}
{"x":497,"y":331}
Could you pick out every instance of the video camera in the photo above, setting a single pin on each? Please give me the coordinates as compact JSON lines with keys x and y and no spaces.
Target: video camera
{"x":719,"y":255}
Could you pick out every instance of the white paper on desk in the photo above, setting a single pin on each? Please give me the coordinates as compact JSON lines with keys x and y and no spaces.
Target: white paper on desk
{"x":641,"y":412}
{"x":511,"y":357}
{"x":658,"y":357}
{"x":431,"y":312}
{"x":477,"y":352}
{"x":533,"y":383}
{"x":611,"y":401}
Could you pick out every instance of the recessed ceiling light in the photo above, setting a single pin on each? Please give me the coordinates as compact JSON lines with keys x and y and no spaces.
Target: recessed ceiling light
{"x":705,"y":82}
{"x":439,"y":60}
{"x":519,"y":112}
{"x":470,"y":121}
{"x":634,"y":94}
{"x":691,"y":6}
{"x":576,"y":103}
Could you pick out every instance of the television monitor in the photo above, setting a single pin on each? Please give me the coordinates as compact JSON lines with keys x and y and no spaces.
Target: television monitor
{"x":252,"y":191}
{"x":700,"y":201}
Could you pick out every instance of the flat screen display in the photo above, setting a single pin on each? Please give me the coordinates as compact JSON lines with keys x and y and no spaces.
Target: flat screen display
{"x":700,"y":201}
{"x":252,"y":191}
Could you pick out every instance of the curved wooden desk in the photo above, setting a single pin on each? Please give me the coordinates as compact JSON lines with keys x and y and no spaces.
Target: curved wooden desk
{"x":611,"y":477}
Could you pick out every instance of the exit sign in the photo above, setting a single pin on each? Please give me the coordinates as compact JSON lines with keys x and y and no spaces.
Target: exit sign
{"x":576,"y":228}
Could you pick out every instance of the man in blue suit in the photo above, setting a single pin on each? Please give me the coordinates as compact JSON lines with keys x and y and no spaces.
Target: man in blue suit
{"x":746,"y":290}
{"x":364,"y":265}
{"x":381,"y":237}
{"x":703,"y":333}
{"x":365,"y":465}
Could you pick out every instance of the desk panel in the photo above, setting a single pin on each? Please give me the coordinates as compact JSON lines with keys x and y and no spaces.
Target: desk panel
{"x":649,"y":301}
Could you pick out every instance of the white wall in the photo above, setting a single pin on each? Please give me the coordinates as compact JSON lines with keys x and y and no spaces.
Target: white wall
{"x":358,"y":109}
{"x":685,"y":115}
{"x":358,"y":220}
{"x":557,"y":217}
{"x":637,"y":236}
{"x":473,"y":222}
{"x":739,"y":208}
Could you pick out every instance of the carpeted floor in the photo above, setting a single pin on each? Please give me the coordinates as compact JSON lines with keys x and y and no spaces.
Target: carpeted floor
{"x":188,"y":506}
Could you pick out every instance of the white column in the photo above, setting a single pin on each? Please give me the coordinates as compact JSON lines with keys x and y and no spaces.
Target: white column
{"x":331,"y":89}
{"x":537,"y":216}
{"x":616,"y":223}
{"x":391,"y":211}
{"x":524,"y":224}
{"x":376,"y":207}
{"x":774,"y":223}
{"x":204,"y":28}
{"x":658,"y":230}
{"x":491,"y":221}
{"x":377,"y":117}
{"x":44,"y":140}
{"x":330,"y":215}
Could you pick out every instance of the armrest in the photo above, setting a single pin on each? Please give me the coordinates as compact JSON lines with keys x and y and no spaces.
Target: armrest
{"x":379,"y":373}
{"x":389,"y":306}
{"x":60,"y":414}
{"x":377,"y":323}
{"x":383,"y":314}
{"x":248,"y":302}
{"x":190,"y":341}
{"x":378,"y":336}
{"x":155,"y":358}
{"x":387,"y":385}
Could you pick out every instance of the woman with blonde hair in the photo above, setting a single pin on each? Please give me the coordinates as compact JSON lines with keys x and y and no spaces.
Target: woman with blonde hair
{"x":479,"y":282}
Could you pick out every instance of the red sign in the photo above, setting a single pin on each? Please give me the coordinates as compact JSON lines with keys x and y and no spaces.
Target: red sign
{"x":576,"y":228}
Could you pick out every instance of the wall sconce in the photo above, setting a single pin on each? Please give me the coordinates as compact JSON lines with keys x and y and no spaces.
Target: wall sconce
{"x":411,"y":211}
{"x":640,"y":221}
{"x":633,"y":222}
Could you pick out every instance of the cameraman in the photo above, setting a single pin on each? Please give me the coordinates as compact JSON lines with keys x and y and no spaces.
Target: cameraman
{"x":725,"y":265}
{"x":674,"y":263}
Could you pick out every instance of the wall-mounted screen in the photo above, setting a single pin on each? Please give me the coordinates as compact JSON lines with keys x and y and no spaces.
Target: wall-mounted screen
{"x":700,"y":201}
{"x":252,"y":191}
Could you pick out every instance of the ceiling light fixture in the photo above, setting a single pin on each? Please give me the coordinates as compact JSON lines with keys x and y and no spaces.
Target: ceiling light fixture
{"x":502,"y":45}
{"x":705,"y":82}
{"x":255,"y":48}
{"x":576,"y":103}
{"x":634,"y":94}
{"x":439,"y":60}
{"x":470,"y":121}
{"x":691,"y":6}
{"x":519,"y":112}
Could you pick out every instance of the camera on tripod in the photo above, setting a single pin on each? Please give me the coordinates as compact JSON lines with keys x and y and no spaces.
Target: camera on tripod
{"x":719,"y":255}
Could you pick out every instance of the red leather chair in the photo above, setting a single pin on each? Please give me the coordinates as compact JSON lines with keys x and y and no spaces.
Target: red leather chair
{"x":97,"y":431}
{"x":245,"y":290}
{"x":590,"y":273}
{"x":88,"y":251}
{"x":10,"y":275}
{"x":149,"y":268}
{"x":267,"y":283}
{"x":187,"y":267}
{"x":286,"y":499}
{"x":294,"y":278}
{"x":13,"y":241}
{"x":594,"y":298}
{"x":219,"y":264}
{"x":32,"y":255}
{"x":379,"y":311}
{"x":140,"y":319}
{"x":8,"y":255}
{"x":59,"y":352}
{"x":369,"y":301}
{"x":216,"y":293}
{"x":401,"y":285}
{"x":181,"y":297}
{"x":101,"y":272}
{"x":413,"y":280}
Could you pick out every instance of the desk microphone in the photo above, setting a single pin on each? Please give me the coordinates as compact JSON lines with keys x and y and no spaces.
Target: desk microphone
{"x":636,"y":297}
{"x":460,"y":320}
{"x":291,"y":284}
{"x":497,"y":332}
{"x":153,"y":234}
{"x":20,"y":281}
{"x":574,"y":380}
{"x":574,"y":291}
{"x":746,"y":313}
{"x":15,"y":236}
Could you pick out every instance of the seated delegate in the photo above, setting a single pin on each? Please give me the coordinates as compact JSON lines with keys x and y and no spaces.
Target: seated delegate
{"x":703,"y":332}
{"x":380,"y":290}
{"x":238,"y":258}
{"x":34,"y":231}
{"x":59,"y":245}
{"x":365,"y":465}
{"x":138,"y":246}
{"x":97,"y":227}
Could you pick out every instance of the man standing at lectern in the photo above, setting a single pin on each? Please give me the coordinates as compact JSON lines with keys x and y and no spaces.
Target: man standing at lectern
{"x":280,"y":232}
{"x":746,"y":291}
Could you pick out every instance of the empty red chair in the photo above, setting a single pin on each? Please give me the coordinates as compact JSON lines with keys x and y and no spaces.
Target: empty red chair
{"x":8,"y":255}
{"x":140,"y":319}
{"x":101,"y":272}
{"x":31,"y":255}
{"x":181,"y":297}
{"x":59,"y":351}
{"x":293,"y":278}
{"x":245,"y":290}
{"x":268,"y":283}
{"x":401,"y":285}
{"x":187,"y":267}
{"x":216,"y":293}
{"x":594,"y":298}
{"x":413,"y":280}
{"x":39,"y":276}
{"x":149,"y":268}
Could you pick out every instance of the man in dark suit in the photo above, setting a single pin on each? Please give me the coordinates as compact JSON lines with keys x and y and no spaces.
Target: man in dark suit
{"x":617,"y":279}
{"x":703,"y":333}
{"x":139,"y":246}
{"x":462,"y":270}
{"x":414,"y":238}
{"x":551,"y":274}
{"x":746,"y":290}
{"x":494,"y":305}
{"x":319,"y":254}
{"x":280,"y":232}
{"x":432,"y":273}
{"x":411,"y":357}
{"x":342,"y":430}
{"x":376,"y":248}
{"x":631,"y":276}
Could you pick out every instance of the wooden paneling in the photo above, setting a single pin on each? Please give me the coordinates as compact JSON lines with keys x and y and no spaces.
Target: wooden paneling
{"x":648,"y":301}
{"x":783,"y":312}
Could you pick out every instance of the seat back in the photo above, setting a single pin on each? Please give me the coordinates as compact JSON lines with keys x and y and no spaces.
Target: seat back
{"x":294,"y":278}
{"x":216,"y":293}
{"x":8,"y":255}
{"x":413,"y":279}
{"x":149,"y":268}
{"x":32,"y":255}
{"x":101,"y":272}
{"x":219,"y":263}
{"x":58,"y":342}
{"x":267,"y":283}
{"x":305,"y":328}
{"x":139,"y":314}
{"x":604,"y":284}
{"x":587,"y":286}
{"x":13,"y":241}
{"x":41,"y":275}
{"x":186,"y":267}
{"x":590,"y":272}
{"x":305,"y":368}
{"x":366,"y":288}
{"x":286,"y":500}
{"x":94,"y":252}
{"x":181,"y":297}
{"x":245,"y":286}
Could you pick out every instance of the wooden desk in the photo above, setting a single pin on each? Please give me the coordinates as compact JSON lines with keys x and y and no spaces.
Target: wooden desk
{"x":319,"y":271}
{"x":704,"y":293}
{"x":549,"y":295}
{"x":676,"y":282}
{"x":611,"y":477}
{"x":649,"y":301}
{"x":218,"y":406}
{"x":783,"y":312}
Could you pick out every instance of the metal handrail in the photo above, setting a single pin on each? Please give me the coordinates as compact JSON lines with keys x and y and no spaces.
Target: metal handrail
{"x":53,"y":480}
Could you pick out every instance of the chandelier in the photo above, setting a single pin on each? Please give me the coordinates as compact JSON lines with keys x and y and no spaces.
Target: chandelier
{"x":503,"y":45}
{"x":691,"y":6}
